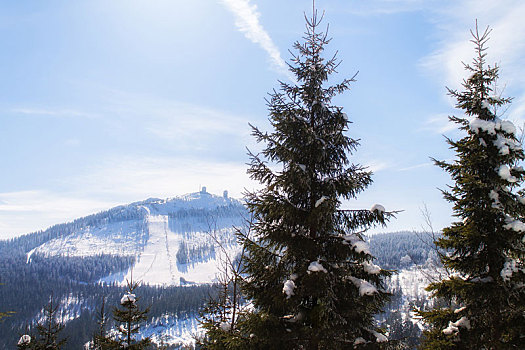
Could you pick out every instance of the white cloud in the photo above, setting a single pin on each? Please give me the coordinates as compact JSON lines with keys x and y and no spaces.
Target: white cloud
{"x":182,"y":125}
{"x":417,"y":166}
{"x":28,"y":211}
{"x":49,"y":112}
{"x":377,"y":165}
{"x":117,"y":181}
{"x":247,"y":21}
{"x":137,"y":178}
{"x":439,"y":124}
{"x":387,"y":7}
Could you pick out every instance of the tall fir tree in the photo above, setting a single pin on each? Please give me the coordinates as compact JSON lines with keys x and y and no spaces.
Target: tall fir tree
{"x":310,"y":275}
{"x":129,"y":315}
{"x":100,"y":339}
{"x":4,"y":314}
{"x":485,"y":247}
{"x":49,"y":329}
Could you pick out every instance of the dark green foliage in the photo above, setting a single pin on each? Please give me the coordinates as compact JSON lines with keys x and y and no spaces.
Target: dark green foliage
{"x":310,"y":276}
{"x":128,"y":318}
{"x":100,"y":338}
{"x":4,"y":314}
{"x":390,"y":248}
{"x":49,"y":330}
{"x":485,"y":298}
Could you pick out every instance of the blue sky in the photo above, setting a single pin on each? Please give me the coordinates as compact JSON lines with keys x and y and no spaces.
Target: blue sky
{"x":108,"y":102}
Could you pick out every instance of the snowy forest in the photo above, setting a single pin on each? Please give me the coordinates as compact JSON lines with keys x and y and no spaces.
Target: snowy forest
{"x":297,"y":270}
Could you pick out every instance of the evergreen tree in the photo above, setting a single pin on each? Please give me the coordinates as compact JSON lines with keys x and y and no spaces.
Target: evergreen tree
{"x":130,"y":315}
{"x":485,"y":293}
{"x":49,"y":329}
{"x":310,"y":275}
{"x":4,"y":314}
{"x":100,"y":340}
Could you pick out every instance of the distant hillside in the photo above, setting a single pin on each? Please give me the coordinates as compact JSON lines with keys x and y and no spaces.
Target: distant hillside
{"x":173,"y":246}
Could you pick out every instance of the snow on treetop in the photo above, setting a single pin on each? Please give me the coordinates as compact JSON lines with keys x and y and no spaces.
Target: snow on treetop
{"x":128,"y":298}
{"x":25,"y":339}
{"x":315,"y":266}
{"x":377,"y":207}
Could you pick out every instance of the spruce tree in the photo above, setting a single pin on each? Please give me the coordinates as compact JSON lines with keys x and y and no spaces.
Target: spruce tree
{"x":100,"y":339}
{"x":49,"y":329}
{"x":129,"y":315}
{"x":485,"y":247}
{"x":310,"y":275}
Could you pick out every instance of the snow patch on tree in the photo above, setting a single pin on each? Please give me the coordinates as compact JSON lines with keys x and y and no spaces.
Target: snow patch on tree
{"x":380,"y":338}
{"x":225,"y":326}
{"x":371,"y":268}
{"x":288,"y":288}
{"x":128,"y":298}
{"x":508,"y":127}
{"x":377,"y":207}
{"x":453,"y":327}
{"x":461,"y":309}
{"x":315,"y":266}
{"x":24,"y":340}
{"x":504,"y":173}
{"x":509,"y":268}
{"x":359,"y":341}
{"x":357,"y":243}
{"x":320,"y":201}
{"x":365,"y":287}
{"x":476,"y":125}
{"x":513,"y":224}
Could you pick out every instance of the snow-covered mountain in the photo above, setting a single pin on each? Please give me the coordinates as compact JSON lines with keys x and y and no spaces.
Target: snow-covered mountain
{"x":174,"y":241}
{"x":174,"y":247}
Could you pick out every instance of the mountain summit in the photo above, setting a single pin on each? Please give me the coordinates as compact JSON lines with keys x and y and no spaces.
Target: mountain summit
{"x":174,"y":241}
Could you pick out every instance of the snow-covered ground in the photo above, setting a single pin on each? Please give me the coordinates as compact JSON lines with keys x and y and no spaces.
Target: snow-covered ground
{"x":172,"y":330}
{"x":157,"y":264}
{"x":412,"y":281}
{"x":119,"y":238}
{"x":175,"y":242}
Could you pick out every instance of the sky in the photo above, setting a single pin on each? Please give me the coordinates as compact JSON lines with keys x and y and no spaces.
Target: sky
{"x":104,"y":103}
